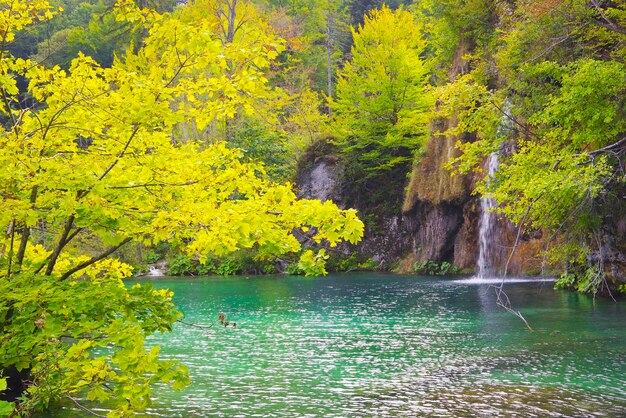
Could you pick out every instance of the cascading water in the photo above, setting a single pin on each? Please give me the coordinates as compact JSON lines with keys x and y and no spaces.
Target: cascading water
{"x":154,"y":271}
{"x":487,"y":226}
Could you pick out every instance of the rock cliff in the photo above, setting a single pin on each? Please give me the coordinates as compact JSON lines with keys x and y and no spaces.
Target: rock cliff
{"x":439,"y":218}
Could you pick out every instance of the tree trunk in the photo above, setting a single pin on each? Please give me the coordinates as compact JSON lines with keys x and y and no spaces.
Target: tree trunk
{"x":329,"y":54}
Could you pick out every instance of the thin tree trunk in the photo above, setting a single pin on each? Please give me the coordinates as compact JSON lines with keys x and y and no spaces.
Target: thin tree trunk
{"x":60,"y":245}
{"x":232,"y":16}
{"x":230,"y":37}
{"x":25,"y":233}
{"x":11,"y":233}
{"x":329,"y":60}
{"x":140,"y":252}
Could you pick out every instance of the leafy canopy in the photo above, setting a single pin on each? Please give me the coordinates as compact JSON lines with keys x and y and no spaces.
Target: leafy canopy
{"x":382,"y":102}
{"x":96,"y":159}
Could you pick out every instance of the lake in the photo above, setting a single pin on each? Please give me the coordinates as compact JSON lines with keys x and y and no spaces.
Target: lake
{"x":371,"y":344}
{"x":358,"y":345}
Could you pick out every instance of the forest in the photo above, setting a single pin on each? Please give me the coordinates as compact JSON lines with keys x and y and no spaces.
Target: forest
{"x":193,"y":134}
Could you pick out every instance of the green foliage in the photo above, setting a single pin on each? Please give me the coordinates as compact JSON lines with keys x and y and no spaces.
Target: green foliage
{"x":381,"y":104}
{"x":152,"y":257}
{"x":293,"y":269}
{"x":260,"y":143}
{"x":92,"y":156}
{"x":320,"y":36}
{"x":587,"y":280}
{"x":228,"y":267}
{"x":433,"y":268}
{"x":181,"y":265}
{"x":452,"y":27}
{"x":88,"y":27}
{"x":312,"y":264}
{"x":6,"y":408}
{"x":241,"y":262}
{"x":54,"y":328}
{"x":340,"y":262}
{"x":565,"y":281}
{"x":555,"y":110}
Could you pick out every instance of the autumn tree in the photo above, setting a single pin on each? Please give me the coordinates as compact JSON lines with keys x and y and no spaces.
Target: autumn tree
{"x":271,"y":120}
{"x":97,"y":159}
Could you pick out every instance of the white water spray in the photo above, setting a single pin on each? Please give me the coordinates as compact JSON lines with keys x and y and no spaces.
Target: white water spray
{"x":154,"y":271}
{"x":487,"y":226}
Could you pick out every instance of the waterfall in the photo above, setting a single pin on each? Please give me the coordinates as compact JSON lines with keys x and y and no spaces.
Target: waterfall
{"x":487,"y":226}
{"x":154,"y":271}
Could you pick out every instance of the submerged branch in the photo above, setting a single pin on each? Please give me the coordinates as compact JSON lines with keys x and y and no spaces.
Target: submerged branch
{"x":83,"y":407}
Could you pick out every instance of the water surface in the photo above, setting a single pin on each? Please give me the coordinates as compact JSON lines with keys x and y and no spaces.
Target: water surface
{"x":382,"y":345}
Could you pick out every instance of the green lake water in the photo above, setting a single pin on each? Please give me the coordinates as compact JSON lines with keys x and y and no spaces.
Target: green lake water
{"x":382,"y":345}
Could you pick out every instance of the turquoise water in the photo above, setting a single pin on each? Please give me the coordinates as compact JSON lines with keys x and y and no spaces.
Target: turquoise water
{"x":380,"y":345}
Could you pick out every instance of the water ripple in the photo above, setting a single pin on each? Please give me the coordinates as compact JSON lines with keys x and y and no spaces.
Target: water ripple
{"x":366,"y":345}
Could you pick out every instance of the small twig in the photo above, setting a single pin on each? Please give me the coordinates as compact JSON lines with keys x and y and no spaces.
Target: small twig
{"x":195,"y":325}
{"x":515,"y":121}
{"x":83,"y":407}
{"x":158,"y":184}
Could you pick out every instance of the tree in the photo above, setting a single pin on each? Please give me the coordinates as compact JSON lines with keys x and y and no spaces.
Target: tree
{"x":382,"y":100}
{"x":324,"y":27}
{"x":95,"y":159}
{"x":89,"y":27}
{"x":280,"y":116}
{"x":359,"y":9}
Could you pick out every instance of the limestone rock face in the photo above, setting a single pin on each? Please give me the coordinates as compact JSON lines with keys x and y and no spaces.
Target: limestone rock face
{"x":446,"y":217}
{"x":439,"y":221}
{"x":613,"y":242}
{"x":441,"y":205}
{"x":430,"y":182}
{"x":439,"y":218}
{"x":321,"y":179}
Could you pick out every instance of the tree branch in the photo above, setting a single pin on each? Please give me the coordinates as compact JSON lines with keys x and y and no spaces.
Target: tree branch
{"x":84,"y":408}
{"x":95,"y":259}
{"x":60,"y":245}
{"x":161,"y":184}
{"x":615,"y":145}
{"x":12,"y":227}
{"x":69,"y":238}
{"x":118,"y":157}
{"x":609,"y":23}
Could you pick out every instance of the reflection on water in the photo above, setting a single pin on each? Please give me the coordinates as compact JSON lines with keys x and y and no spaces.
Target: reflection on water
{"x":375,"y":345}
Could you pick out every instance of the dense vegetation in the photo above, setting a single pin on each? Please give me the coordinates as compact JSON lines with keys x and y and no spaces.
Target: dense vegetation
{"x":93,"y":159}
{"x":171,"y":126}
{"x":544,"y":87}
